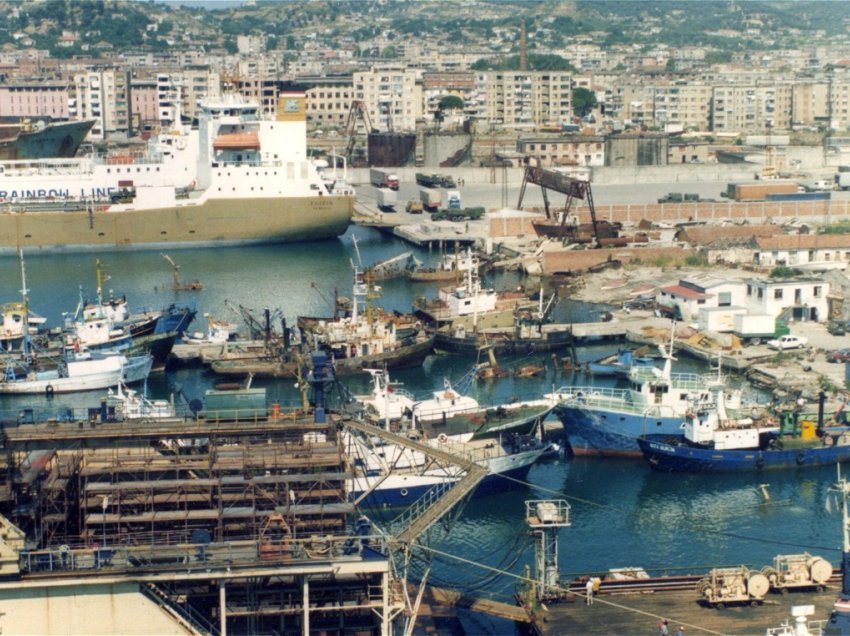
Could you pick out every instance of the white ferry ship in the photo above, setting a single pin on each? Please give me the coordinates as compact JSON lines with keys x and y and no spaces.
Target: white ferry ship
{"x":236,"y":179}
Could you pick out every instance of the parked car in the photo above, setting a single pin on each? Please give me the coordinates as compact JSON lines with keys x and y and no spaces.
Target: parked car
{"x":837,"y":327}
{"x":787,"y":342}
{"x":838,"y":355}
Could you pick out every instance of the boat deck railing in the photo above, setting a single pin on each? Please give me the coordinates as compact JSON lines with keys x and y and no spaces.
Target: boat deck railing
{"x":161,"y":555}
{"x":620,"y":400}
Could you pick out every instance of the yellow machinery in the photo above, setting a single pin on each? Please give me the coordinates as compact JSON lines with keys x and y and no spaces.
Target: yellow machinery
{"x":791,"y":571}
{"x":723,"y":586}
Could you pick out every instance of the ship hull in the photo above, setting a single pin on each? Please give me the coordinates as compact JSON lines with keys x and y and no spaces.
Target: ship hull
{"x":610,"y":433}
{"x":508,"y":345}
{"x":506,"y":473}
{"x":211,"y":222}
{"x":667,"y":453}
{"x":401,"y":358}
{"x":56,"y":140}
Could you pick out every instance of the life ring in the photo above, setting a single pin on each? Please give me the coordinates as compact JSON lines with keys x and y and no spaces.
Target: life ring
{"x":442,"y":438}
{"x":48,"y":391}
{"x":801,"y":458}
{"x":403,"y":492}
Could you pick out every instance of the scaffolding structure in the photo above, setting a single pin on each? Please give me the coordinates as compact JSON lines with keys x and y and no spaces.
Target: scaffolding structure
{"x":259,"y":506}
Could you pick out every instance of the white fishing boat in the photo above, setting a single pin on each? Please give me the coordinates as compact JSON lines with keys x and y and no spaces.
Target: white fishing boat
{"x":390,"y":475}
{"x":449,"y":413}
{"x":132,"y":405}
{"x":85,"y":373}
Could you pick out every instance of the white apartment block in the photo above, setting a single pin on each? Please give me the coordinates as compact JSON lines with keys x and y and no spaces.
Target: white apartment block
{"x":392,"y":96}
{"x":684,"y":104}
{"x":526,"y":98}
{"x":751,"y":108}
{"x":104,"y":96}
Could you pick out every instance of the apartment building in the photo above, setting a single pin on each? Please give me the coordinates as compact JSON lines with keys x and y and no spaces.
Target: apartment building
{"x":328,"y":99}
{"x":35,"y":99}
{"x":810,"y":103}
{"x":751,"y":108}
{"x":144,"y":104}
{"x":392,"y":96}
{"x":105,"y":96}
{"x":683,"y":104}
{"x":526,"y":98}
{"x":435,"y":86}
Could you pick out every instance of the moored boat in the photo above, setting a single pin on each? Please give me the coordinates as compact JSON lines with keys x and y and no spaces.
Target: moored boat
{"x":607,"y":421}
{"x":448,"y":413}
{"x":712,"y":441}
{"x":189,"y":187}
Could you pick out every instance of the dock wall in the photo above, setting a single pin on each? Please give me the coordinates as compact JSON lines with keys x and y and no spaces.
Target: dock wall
{"x":555,"y":262}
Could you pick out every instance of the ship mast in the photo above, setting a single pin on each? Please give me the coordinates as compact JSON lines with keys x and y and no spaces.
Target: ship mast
{"x":26,"y":302}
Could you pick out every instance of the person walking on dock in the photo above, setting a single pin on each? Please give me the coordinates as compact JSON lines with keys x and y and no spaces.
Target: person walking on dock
{"x":589,"y":588}
{"x":662,"y":627}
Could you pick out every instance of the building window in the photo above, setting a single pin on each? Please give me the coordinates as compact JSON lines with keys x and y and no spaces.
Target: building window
{"x":724,"y":299}
{"x":777,"y":294}
{"x":816,"y":291}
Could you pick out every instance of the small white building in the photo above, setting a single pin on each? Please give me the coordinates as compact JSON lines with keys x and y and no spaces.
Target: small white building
{"x":792,"y":299}
{"x":684,"y":300}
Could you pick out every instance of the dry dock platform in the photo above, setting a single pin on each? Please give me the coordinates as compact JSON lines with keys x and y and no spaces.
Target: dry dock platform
{"x":640,"y":613}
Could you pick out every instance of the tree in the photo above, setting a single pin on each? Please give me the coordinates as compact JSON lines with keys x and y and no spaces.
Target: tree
{"x":584,"y":101}
{"x":450,"y":102}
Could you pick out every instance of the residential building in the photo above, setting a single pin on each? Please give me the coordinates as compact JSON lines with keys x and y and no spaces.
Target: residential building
{"x":328,"y":99}
{"x":392,"y":96}
{"x":35,"y":99}
{"x":526,"y":98}
{"x":752,"y":108}
{"x":105,"y":96}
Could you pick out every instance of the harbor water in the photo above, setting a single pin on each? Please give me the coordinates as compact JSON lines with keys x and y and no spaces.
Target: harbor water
{"x":623,"y":514}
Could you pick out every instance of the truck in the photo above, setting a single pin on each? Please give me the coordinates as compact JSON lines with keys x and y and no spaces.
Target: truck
{"x":383,"y":178}
{"x":414,"y":206}
{"x":755,"y":328}
{"x":387,"y":199}
{"x":429,"y":180}
{"x":758,"y":190}
{"x":453,"y":200}
{"x":431,"y":198}
{"x":718,"y":319}
{"x":461,"y":214}
{"x":842,"y":178}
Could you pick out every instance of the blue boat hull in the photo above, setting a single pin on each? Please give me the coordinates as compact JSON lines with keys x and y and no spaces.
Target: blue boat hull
{"x":596,"y":431}
{"x":490,"y":485}
{"x":176,"y":318}
{"x":668,"y":453}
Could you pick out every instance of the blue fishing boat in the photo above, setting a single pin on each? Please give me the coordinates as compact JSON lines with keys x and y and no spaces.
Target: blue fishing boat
{"x":711,"y":441}
{"x":607,"y":421}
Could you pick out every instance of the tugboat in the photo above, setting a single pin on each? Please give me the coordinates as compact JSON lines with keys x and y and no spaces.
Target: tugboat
{"x":714,"y":442}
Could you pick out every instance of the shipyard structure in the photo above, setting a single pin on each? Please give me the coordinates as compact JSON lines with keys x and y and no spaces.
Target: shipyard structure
{"x":229,"y":521}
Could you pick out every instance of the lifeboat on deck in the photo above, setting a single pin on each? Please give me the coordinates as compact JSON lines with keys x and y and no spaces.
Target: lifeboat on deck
{"x":237,"y":141}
